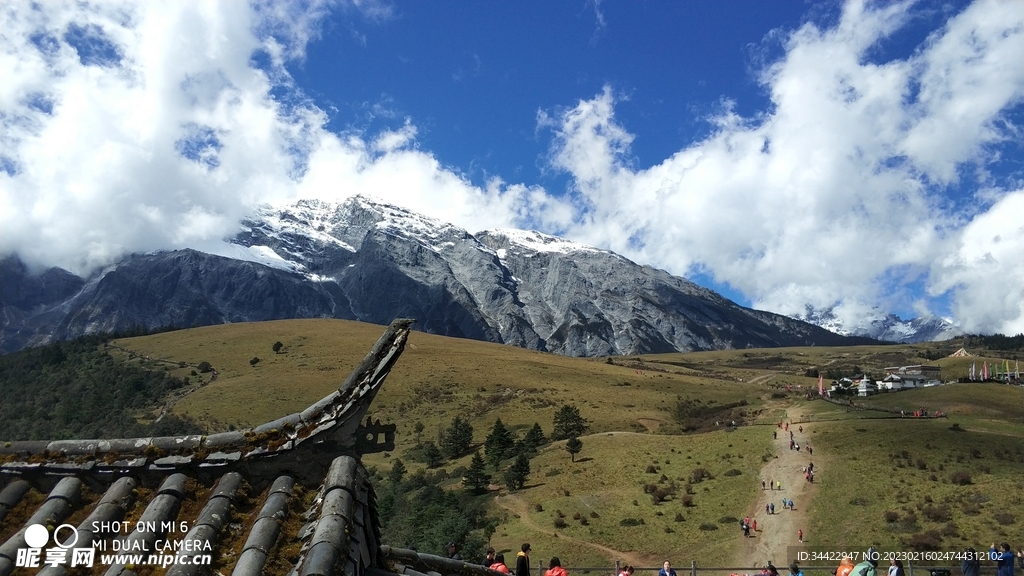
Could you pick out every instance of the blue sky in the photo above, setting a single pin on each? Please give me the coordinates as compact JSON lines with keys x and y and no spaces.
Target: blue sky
{"x":865,"y":157}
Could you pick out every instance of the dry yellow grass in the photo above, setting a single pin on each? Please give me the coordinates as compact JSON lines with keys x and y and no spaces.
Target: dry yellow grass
{"x":439,"y":378}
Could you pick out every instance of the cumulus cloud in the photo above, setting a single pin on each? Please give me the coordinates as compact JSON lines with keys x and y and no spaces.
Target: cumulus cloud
{"x":140,"y":126}
{"x":837,"y":194}
{"x":131,"y":127}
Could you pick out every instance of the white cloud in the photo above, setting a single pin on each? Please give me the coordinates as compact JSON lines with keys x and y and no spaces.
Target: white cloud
{"x":836,"y":188}
{"x":161,"y":133}
{"x":175,"y":135}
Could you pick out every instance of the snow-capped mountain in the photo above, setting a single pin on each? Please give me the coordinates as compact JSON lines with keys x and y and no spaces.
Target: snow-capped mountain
{"x":886,"y":327}
{"x":367,"y":260}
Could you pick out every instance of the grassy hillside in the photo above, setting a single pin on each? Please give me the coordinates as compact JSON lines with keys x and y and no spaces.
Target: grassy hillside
{"x":638,"y":406}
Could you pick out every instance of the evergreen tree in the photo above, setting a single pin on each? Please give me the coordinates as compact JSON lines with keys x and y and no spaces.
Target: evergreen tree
{"x":515,"y":476}
{"x":573,"y":447}
{"x":432,"y":454}
{"x":477,"y":478}
{"x":569,"y":423}
{"x":457,"y":438}
{"x":397,"y":472}
{"x":535,"y":438}
{"x":418,"y":429}
{"x":498,"y":444}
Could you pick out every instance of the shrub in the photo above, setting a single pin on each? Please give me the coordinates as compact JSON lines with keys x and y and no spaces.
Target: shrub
{"x":728,"y":520}
{"x":950,"y":530}
{"x":970,"y":509}
{"x":553,"y":472}
{"x":708,"y":526}
{"x":204,"y":367}
{"x":891,"y":516}
{"x":630,"y":522}
{"x":860,"y":501}
{"x":255,"y":360}
{"x":699,"y":474}
{"x":559,"y":523}
{"x":559,"y":513}
{"x":594,"y":514}
{"x":921,"y":464}
{"x":960,"y":478}
{"x":584,"y":521}
{"x":937,"y":513}
{"x":538,"y":507}
{"x":925,"y":541}
{"x":679,"y":517}
{"x":733,"y":472}
{"x":687,"y":500}
{"x":577,"y":516}
{"x":651,"y":469}
{"x":1004,"y":518}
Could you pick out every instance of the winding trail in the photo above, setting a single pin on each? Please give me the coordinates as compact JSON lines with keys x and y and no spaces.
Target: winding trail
{"x":777,"y":532}
{"x":517,"y":505}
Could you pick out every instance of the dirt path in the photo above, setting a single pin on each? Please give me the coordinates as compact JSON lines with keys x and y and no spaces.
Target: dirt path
{"x":761,"y":379}
{"x":777,"y":532}
{"x":517,"y":505}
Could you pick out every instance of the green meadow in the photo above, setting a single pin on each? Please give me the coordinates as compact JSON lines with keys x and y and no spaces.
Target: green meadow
{"x":654,"y":419}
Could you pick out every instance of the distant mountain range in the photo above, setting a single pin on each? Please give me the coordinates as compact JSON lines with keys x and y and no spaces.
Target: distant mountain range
{"x":887,"y":327}
{"x":366,"y":260}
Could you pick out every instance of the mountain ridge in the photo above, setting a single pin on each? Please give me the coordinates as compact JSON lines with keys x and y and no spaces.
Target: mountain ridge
{"x":362,"y":259}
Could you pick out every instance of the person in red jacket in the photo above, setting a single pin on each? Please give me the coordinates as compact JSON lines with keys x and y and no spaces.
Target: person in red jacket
{"x":499,"y":564}
{"x":555,"y":568}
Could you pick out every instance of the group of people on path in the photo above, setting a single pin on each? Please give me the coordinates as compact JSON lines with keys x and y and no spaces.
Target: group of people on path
{"x":497,"y":561}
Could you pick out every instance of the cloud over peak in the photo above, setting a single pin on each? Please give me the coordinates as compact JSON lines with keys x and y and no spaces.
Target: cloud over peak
{"x":140,"y":126}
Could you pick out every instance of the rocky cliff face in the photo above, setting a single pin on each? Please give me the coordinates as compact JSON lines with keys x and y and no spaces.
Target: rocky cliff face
{"x":369,"y":261}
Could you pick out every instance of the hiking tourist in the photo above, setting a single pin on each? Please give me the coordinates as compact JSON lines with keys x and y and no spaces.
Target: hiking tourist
{"x":772,"y":507}
{"x":869,"y":566}
{"x":971,"y":564}
{"x":772,"y":569}
{"x":453,"y":552}
{"x":555,"y":568}
{"x":896,"y":568}
{"x":666,"y":570}
{"x":794,"y":570}
{"x":523,"y":561}
{"x":1004,"y":559}
{"x":800,"y":535}
{"x":753,"y":525}
{"x":499,"y":564}
{"x":488,"y":558}
{"x":762,"y":483}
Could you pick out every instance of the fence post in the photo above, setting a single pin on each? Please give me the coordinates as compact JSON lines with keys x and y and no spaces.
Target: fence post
{"x":910,"y":568}
{"x":693,"y":568}
{"x":618,"y":568}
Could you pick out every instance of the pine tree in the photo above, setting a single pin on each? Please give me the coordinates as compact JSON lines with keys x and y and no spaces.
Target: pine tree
{"x":569,"y":423}
{"x":515,"y":476}
{"x":418,"y":429}
{"x":477,"y":478}
{"x":397,"y":472}
{"x":498,"y":444}
{"x":535,"y":438}
{"x":573,"y":447}
{"x":432,"y":454}
{"x":457,"y":438}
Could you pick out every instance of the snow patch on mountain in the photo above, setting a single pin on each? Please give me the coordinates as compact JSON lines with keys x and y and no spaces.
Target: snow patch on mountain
{"x":259,"y":254}
{"x":539,"y":242}
{"x":881,"y":326}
